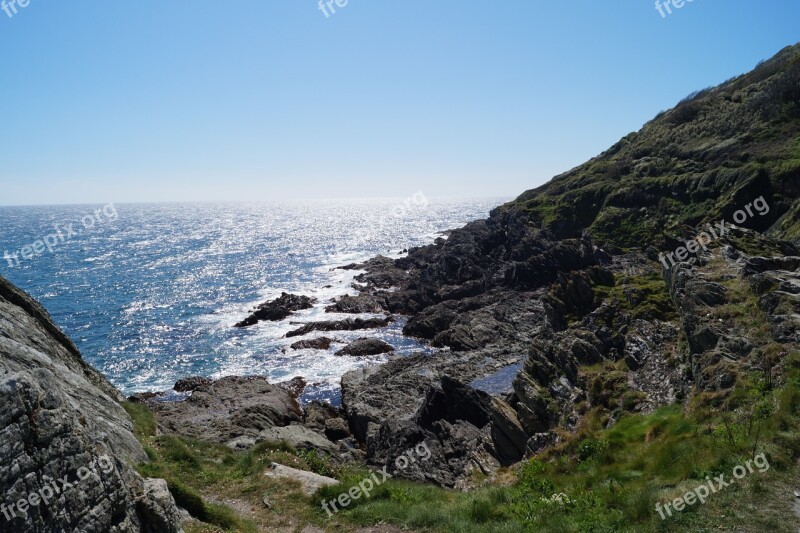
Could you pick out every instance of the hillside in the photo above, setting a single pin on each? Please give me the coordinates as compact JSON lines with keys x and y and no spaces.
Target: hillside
{"x":699,"y":162}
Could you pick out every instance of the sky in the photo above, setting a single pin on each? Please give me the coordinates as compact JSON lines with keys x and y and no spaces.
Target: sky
{"x":260,"y":100}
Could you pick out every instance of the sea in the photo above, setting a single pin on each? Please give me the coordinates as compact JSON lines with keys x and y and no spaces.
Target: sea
{"x":150,"y":292}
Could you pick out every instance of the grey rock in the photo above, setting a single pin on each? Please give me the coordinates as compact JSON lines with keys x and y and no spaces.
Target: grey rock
{"x":277,"y":309}
{"x":190,"y":384}
{"x":349,"y":324}
{"x":317,"y":414}
{"x":228,"y":408}
{"x":59,"y":415}
{"x":359,"y":304}
{"x":310,"y":481}
{"x":297,"y":436}
{"x":336,"y":429}
{"x":320,"y":343}
{"x":364,"y":347}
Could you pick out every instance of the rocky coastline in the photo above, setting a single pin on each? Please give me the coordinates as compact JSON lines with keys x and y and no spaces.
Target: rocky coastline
{"x":553,"y":310}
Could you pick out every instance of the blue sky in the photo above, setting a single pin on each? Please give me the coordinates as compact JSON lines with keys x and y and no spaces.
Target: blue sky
{"x":270,"y":99}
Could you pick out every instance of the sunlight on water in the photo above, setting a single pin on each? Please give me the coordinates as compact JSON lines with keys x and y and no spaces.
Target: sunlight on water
{"x":152,"y":296}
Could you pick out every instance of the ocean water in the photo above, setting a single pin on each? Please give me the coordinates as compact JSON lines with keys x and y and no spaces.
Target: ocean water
{"x":150,"y":292}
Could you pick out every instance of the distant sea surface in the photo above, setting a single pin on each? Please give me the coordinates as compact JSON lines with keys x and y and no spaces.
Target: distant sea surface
{"x":150,"y":292}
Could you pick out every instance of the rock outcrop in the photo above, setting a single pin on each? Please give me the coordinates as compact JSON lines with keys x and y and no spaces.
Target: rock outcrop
{"x":364,"y":347}
{"x":67,"y":445}
{"x":277,"y":309}
{"x":229,"y":408}
{"x":350,"y":324}
{"x":320,"y":343}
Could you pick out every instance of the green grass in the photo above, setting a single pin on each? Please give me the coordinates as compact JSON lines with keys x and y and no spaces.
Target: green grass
{"x":644,"y":296}
{"x":597,"y":479}
{"x":610,"y":479}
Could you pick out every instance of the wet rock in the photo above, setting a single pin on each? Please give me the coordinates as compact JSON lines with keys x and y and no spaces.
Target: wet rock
{"x":320,"y":343}
{"x":362,"y":303}
{"x":294,"y":386}
{"x":364,"y":347}
{"x":190,"y":384}
{"x":349,"y":324}
{"x":277,"y":309}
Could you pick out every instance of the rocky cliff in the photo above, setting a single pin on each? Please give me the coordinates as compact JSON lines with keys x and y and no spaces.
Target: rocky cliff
{"x":67,"y":445}
{"x":572,"y":298}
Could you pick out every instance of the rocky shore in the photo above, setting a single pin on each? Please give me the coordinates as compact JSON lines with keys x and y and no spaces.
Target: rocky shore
{"x":554,"y":308}
{"x":518,"y":317}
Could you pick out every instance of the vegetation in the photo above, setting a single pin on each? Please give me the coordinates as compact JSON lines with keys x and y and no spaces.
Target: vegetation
{"x":717,"y":150}
{"x":643,"y":296}
{"x":598,"y":479}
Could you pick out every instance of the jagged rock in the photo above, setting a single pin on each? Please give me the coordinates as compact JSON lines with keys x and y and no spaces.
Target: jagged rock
{"x":190,"y":384}
{"x":364,"y":347}
{"x":277,"y":309}
{"x":320,"y":343}
{"x":158,"y":506}
{"x":317,"y":414}
{"x":395,"y":406}
{"x":362,"y":303}
{"x":228,"y":408}
{"x":294,"y":386}
{"x":431,"y":321}
{"x":349,"y":324}
{"x":59,"y":416}
{"x":336,"y":429}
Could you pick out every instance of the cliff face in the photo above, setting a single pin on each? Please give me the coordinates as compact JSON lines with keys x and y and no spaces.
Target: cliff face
{"x":67,"y":445}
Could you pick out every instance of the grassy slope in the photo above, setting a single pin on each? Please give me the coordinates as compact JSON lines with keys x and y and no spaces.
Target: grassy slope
{"x":699,"y":162}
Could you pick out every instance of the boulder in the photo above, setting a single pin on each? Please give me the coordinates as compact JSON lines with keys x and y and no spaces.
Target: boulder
{"x":364,"y":347}
{"x":320,"y":343}
{"x":310,"y":481}
{"x":277,"y":309}
{"x":228,"y":408}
